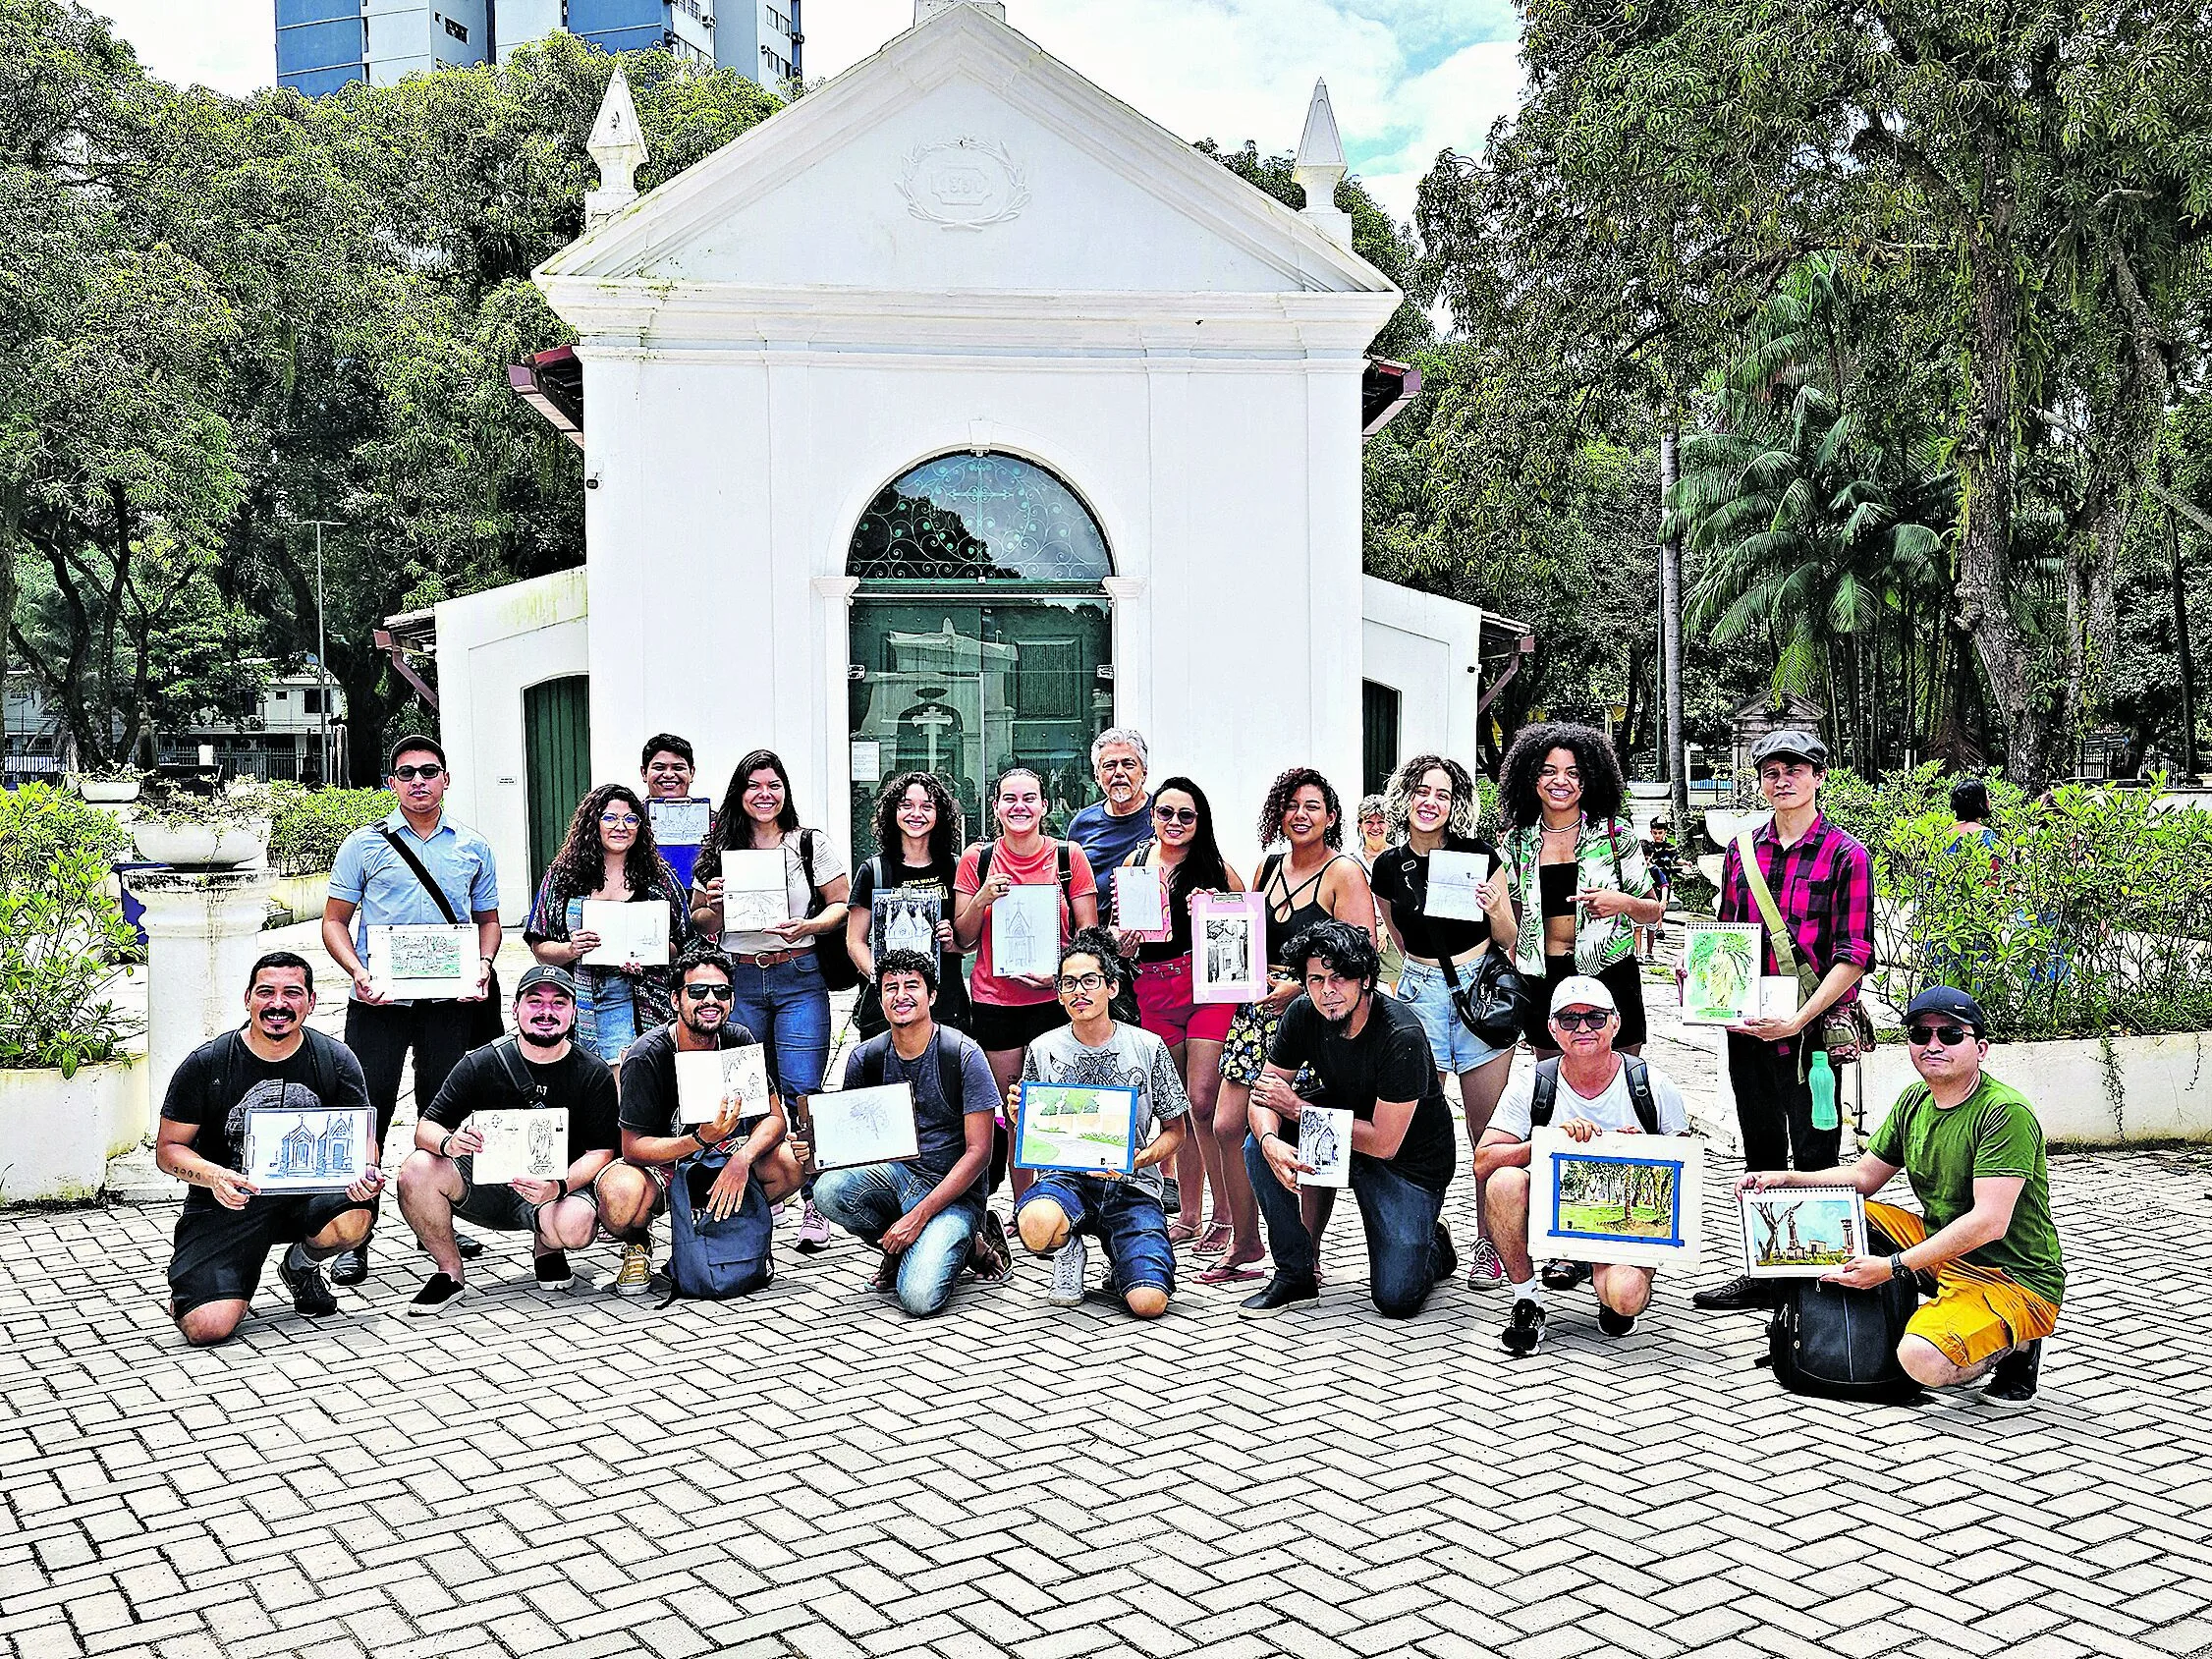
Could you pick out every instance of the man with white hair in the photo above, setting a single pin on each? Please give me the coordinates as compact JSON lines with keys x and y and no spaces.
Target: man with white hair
{"x":1111,"y":829}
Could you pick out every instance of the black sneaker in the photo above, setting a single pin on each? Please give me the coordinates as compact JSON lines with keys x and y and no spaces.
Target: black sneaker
{"x":468,"y":1245}
{"x":2012,"y":1380}
{"x":1280,"y":1293}
{"x":1615,"y":1324}
{"x":553,"y":1273}
{"x":349,"y":1267}
{"x":439,"y":1292}
{"x":1524,"y":1327}
{"x":309,"y":1295}
{"x":1734,"y":1296}
{"x":1564,"y":1275}
{"x":1444,"y":1258}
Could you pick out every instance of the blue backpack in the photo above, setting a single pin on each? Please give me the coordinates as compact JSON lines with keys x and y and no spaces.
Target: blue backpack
{"x":714,"y":1259}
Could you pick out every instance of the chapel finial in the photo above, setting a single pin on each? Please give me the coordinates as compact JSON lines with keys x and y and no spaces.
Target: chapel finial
{"x":617,"y":144}
{"x":1320,"y":168}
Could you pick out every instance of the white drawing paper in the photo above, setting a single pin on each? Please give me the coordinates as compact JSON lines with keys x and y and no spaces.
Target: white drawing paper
{"x":864,"y":1126}
{"x":679,"y":823}
{"x":521,"y":1143}
{"x":1779,"y":996}
{"x":1140,"y":903}
{"x":626,"y":932}
{"x":867,"y":760}
{"x":1802,"y":1231}
{"x":306,"y":1149}
{"x":1228,"y":948}
{"x":756,"y":891}
{"x":709,"y":1077}
{"x":427,"y":963}
{"x":1631,"y":1200}
{"x":1324,"y":1140}
{"x":1025,"y":932}
{"x":1454,"y":880}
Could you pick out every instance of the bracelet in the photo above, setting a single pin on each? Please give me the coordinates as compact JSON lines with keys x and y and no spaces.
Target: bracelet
{"x":563,"y":1185}
{"x":1898,"y":1269}
{"x":445,"y":1147}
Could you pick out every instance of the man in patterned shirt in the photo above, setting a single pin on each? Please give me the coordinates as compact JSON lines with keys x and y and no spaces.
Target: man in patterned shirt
{"x":1822,"y":884}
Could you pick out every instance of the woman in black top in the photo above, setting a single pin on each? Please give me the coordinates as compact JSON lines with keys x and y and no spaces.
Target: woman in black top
{"x":917,"y":833}
{"x":1433,"y":807}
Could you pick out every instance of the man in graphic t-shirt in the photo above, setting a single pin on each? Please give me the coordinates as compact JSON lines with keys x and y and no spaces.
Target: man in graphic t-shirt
{"x":1370,"y":1056}
{"x":275,"y":1063}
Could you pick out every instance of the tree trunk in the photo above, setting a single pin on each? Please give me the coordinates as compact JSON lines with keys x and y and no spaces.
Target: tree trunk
{"x":2181,"y":644}
{"x":1670,"y":624}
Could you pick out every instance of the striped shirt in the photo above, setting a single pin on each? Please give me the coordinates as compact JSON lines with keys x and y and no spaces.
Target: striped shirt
{"x":1823,"y":888}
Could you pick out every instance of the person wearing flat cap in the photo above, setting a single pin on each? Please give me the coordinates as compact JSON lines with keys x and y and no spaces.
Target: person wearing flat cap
{"x":1810,"y":888}
{"x":537,"y":1066}
{"x":1972,"y":1151}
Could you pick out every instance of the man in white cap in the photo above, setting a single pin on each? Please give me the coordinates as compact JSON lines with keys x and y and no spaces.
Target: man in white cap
{"x":1585,"y":1089}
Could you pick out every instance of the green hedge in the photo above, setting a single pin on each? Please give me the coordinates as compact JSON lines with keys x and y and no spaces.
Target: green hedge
{"x":38,"y":823}
{"x":61,"y":931}
{"x":311,"y":824}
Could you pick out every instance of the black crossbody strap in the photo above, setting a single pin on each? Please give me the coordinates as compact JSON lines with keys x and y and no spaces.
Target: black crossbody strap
{"x":406,"y":856}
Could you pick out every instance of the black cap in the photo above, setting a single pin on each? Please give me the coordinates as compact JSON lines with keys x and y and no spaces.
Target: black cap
{"x":1797,"y":746}
{"x":1947,"y":1002}
{"x":545,"y":974}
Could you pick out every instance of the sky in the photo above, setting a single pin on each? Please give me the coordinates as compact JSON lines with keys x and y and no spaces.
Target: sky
{"x":1407,"y":77}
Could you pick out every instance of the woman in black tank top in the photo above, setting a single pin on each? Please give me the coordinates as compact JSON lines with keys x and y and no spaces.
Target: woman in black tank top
{"x":1312,"y":880}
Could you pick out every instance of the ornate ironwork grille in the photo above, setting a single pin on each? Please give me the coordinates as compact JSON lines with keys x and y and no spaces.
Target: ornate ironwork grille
{"x":977,"y":518}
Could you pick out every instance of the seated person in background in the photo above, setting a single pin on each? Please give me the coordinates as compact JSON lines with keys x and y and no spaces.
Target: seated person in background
{"x":1583,"y":1089}
{"x":1370,"y":1054}
{"x":539,"y":1066}
{"x":1126,"y":1213}
{"x":227,"y":1224}
{"x":653,"y":1136}
{"x":923,"y":1213}
{"x":1972,"y":1151}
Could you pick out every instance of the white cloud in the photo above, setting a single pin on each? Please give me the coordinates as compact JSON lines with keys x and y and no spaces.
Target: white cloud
{"x":1450,"y":108}
{"x":227,"y":44}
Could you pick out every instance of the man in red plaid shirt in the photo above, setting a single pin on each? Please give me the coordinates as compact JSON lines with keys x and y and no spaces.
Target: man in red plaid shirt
{"x":1823,"y":886}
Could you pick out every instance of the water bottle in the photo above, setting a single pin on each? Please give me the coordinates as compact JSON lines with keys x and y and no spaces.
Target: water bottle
{"x":1822,"y":1078}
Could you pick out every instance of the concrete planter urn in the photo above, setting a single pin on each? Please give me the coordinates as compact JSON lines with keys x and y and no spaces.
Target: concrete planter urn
{"x":202,"y":846}
{"x":109,"y":791}
{"x":57,"y":1133}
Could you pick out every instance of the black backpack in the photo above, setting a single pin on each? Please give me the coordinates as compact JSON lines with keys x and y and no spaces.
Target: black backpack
{"x":1546,"y":1090}
{"x":874,"y":1058}
{"x":1841,"y":1344}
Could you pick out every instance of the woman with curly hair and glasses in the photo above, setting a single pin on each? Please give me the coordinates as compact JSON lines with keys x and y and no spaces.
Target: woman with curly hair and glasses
{"x":609,"y":853}
{"x":918,"y":844}
{"x":1577,"y":871}
{"x":1309,"y":879}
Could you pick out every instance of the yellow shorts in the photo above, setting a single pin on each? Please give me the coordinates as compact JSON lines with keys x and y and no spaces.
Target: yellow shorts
{"x":1977,"y":1312}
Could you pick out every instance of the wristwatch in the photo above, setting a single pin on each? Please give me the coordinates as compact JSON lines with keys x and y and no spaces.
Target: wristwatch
{"x":1898,"y":1269}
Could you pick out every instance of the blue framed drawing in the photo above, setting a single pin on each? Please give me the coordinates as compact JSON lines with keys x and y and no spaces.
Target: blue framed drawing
{"x":1633,"y":1200}
{"x":1079,"y":1128}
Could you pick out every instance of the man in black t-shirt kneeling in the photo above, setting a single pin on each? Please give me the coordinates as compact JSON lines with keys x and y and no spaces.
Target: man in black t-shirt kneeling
{"x":223,"y":1237}
{"x":537,"y":1068}
{"x":1370,"y":1054}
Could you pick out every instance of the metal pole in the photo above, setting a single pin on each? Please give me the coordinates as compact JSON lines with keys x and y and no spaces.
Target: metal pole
{"x":322,"y":663}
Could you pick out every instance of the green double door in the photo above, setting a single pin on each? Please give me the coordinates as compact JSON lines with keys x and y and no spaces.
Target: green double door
{"x":967,"y":689}
{"x":557,"y":762}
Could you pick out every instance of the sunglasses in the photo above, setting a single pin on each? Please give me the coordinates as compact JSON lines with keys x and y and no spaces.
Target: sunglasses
{"x":1581,"y":1020}
{"x":426,"y":771}
{"x":1950,"y":1036}
{"x":1081,"y":981}
{"x":709,"y":993}
{"x":1175,"y":814}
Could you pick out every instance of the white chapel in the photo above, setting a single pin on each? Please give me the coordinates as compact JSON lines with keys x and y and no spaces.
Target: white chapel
{"x":950,"y":415}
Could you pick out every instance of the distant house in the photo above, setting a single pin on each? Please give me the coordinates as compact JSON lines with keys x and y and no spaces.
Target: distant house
{"x":1793,"y":711}
{"x":282,"y":738}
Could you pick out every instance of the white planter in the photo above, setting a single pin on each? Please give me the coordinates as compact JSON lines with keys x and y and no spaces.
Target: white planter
{"x":109,"y":791}
{"x":2159,"y":1088}
{"x":242,"y":843}
{"x":200,"y":846}
{"x":57,"y":1133}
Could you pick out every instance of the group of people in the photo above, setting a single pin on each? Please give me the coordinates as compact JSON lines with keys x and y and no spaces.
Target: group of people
{"x":1373,"y":1004}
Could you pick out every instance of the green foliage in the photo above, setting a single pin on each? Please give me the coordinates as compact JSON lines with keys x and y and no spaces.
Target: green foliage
{"x":242,"y":800}
{"x":37,"y":824}
{"x":311,"y":824}
{"x":59,"y":929}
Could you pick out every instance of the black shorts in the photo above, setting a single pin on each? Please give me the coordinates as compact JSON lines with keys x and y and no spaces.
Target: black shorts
{"x":219,"y":1253}
{"x":1625,"y":979}
{"x":499,"y":1206}
{"x":998,"y":1028}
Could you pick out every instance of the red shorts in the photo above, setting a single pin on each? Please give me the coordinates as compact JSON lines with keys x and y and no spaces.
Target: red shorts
{"x":1165,"y":1007}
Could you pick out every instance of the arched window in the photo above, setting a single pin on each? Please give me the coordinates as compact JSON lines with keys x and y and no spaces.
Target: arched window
{"x":979,"y":517}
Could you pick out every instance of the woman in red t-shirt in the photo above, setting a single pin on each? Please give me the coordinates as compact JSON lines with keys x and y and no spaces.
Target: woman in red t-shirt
{"x":1010,"y":1012}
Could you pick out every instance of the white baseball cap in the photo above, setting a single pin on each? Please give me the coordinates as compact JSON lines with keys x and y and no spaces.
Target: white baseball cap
{"x":1580,"y":990}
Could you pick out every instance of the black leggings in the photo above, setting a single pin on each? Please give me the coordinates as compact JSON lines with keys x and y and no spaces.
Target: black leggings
{"x":1625,"y":979}
{"x":381,"y":1034}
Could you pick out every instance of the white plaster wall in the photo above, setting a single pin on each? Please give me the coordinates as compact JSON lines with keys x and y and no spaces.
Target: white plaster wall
{"x":492,"y":646}
{"x":1428,"y":648}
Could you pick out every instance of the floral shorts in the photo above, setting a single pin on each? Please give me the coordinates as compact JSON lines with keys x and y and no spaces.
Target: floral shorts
{"x":1251,"y":1033}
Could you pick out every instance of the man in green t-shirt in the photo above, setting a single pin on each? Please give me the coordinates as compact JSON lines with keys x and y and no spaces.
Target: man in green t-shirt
{"x":1973,"y":1153}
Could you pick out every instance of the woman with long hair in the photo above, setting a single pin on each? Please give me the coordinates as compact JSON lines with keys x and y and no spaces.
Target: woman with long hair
{"x":1186,"y":857}
{"x":1310,"y":879}
{"x":917,"y":841}
{"x":1433,"y":807}
{"x":780,"y":995}
{"x":1577,"y":873}
{"x":609,"y":853}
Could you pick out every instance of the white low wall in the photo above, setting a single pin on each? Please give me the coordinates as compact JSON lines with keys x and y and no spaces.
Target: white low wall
{"x":2164,"y":1087}
{"x":57,"y":1133}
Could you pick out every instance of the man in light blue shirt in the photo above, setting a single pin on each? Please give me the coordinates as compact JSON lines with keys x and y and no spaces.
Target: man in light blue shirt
{"x":373,"y":885}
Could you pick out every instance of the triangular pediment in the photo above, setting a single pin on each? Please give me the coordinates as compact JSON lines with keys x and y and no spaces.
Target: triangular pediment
{"x":961,"y":158}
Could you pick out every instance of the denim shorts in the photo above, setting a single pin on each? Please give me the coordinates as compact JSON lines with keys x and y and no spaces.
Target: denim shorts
{"x":1126,"y":1218}
{"x":1429,"y":993}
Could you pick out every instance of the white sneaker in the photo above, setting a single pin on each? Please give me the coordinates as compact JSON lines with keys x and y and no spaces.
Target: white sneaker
{"x":1068,"y":1270}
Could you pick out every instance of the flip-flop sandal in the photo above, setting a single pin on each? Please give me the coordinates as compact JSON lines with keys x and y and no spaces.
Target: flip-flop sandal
{"x":1182,"y":1232}
{"x":1241,"y":1274}
{"x":1214,"y":1241}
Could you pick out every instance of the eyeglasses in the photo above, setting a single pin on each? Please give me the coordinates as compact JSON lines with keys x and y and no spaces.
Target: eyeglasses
{"x":709,"y":993}
{"x":617,"y":820}
{"x":426,"y":771}
{"x":1950,"y":1036}
{"x":1175,"y":814}
{"x":1082,"y":981}
{"x":1581,"y":1020}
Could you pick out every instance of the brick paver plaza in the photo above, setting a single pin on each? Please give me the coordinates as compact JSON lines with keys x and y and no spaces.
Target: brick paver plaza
{"x":807,"y":1472}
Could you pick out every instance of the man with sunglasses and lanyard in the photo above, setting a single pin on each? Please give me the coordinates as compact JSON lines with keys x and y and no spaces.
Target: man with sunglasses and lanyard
{"x":654,"y":1137}
{"x":1972,"y":1151}
{"x":384,"y":876}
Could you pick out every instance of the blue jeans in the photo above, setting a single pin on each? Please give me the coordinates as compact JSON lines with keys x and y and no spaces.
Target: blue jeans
{"x":787,"y":1010}
{"x":1404,"y":1257}
{"x":866,"y":1200}
{"x":1123,"y":1216}
{"x":1451,"y":1044}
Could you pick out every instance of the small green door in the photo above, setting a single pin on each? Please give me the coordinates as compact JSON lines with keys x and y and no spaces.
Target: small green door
{"x":557,"y":749}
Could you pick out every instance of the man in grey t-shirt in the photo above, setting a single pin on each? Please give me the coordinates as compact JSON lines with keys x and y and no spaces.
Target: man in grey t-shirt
{"x":1125,"y":1211}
